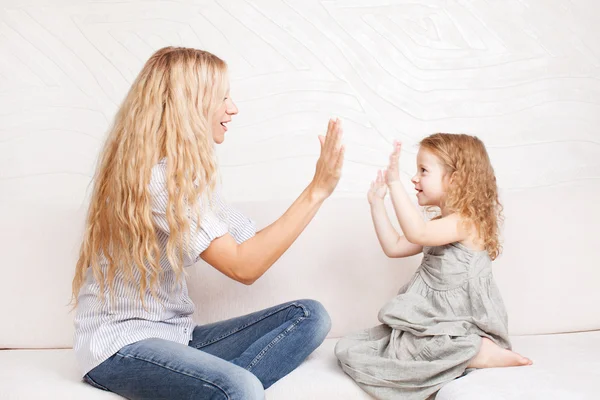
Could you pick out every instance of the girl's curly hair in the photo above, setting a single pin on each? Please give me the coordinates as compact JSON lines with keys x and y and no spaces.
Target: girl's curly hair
{"x":472,"y":191}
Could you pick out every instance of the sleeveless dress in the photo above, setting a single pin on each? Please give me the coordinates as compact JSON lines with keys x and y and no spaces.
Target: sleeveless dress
{"x":431,"y":330}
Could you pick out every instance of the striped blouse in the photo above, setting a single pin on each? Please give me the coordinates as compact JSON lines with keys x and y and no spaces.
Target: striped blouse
{"x":101,"y":331}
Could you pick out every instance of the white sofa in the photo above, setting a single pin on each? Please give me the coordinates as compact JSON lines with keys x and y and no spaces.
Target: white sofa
{"x":548,"y":276}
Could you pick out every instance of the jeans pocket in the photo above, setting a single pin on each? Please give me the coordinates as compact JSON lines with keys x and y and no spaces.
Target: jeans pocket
{"x":92,"y":382}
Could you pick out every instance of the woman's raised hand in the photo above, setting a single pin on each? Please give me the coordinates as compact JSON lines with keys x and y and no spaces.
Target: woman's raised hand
{"x":331,"y":160}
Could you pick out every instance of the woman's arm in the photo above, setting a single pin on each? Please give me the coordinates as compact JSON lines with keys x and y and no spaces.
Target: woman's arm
{"x":248,"y":261}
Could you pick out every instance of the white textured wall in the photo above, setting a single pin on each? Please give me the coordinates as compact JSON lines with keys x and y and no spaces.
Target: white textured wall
{"x":522,"y":75}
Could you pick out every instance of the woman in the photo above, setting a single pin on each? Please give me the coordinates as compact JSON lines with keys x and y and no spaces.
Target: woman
{"x":155,"y":210}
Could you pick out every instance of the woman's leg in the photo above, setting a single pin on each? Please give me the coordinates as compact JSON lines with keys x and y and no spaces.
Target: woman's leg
{"x":269,"y":343}
{"x":154,"y":369}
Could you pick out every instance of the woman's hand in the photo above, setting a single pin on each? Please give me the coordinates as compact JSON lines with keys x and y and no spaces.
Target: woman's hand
{"x":247,"y":261}
{"x":331,"y":160}
{"x":378,"y":188}
{"x":392,"y":173}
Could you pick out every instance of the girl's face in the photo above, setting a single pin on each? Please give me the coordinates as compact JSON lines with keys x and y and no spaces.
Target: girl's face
{"x":221,"y":117}
{"x":431,"y":180}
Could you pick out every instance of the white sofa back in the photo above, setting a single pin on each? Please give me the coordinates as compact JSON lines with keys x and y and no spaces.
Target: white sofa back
{"x":548,"y":273}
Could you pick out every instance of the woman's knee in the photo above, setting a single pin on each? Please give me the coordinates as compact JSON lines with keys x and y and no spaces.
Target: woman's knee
{"x":319,"y":317}
{"x":244,"y":385}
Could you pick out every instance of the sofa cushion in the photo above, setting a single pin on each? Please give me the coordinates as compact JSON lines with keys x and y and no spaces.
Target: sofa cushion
{"x":565,"y":366}
{"x":547,"y":277}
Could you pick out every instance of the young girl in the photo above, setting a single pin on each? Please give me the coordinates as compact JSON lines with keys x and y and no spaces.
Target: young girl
{"x":450,"y":316}
{"x":155,"y":210}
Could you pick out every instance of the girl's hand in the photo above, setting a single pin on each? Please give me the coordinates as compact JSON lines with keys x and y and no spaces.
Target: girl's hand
{"x":393,"y":172}
{"x":378,"y":188}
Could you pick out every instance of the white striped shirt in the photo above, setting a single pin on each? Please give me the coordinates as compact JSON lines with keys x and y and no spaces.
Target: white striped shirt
{"x":101,"y":331}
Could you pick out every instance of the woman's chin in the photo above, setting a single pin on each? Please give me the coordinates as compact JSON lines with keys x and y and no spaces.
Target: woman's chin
{"x":219,"y":138}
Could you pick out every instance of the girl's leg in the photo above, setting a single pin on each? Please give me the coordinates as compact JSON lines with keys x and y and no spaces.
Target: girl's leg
{"x":269,"y":343}
{"x":491,"y":355}
{"x":162,"y":369}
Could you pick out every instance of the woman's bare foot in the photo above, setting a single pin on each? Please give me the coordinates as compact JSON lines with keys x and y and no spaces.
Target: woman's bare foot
{"x":493,"y":356}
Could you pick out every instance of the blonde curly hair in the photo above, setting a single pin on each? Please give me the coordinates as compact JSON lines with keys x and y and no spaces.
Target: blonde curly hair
{"x":167,"y":113}
{"x":472,"y":191}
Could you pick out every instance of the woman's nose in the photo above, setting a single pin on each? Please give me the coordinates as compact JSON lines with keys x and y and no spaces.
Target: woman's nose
{"x":232,"y":109}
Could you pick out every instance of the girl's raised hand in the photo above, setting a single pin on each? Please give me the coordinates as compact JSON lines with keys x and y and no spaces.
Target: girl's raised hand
{"x":378,"y":188}
{"x":393,"y":170}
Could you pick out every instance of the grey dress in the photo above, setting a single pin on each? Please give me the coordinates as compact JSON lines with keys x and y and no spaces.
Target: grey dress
{"x":431,"y":330}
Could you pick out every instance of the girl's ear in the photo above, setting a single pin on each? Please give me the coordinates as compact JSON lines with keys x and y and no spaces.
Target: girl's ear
{"x":449,"y":179}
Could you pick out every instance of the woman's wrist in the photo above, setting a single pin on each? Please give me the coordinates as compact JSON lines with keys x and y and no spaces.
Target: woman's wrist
{"x":315,"y":195}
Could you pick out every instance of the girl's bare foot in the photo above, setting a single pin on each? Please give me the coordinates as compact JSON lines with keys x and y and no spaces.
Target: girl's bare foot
{"x":493,"y":356}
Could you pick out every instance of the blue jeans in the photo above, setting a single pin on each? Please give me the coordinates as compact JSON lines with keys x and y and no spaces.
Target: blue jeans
{"x":233,"y":359}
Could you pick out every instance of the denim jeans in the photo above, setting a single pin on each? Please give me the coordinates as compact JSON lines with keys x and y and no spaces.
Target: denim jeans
{"x":233,"y":359}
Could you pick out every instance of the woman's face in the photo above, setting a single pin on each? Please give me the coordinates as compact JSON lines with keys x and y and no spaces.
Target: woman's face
{"x":221,"y":117}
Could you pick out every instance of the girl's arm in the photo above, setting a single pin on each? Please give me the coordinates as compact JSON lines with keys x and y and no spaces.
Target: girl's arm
{"x":392,"y":244}
{"x":431,"y":233}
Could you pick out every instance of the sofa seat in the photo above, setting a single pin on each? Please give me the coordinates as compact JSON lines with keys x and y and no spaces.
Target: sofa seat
{"x":566,"y":366}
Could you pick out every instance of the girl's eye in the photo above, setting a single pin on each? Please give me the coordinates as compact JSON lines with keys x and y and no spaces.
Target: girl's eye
{"x":423,"y":170}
